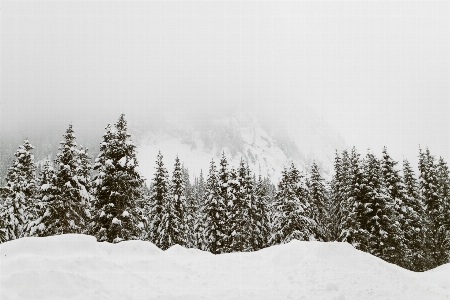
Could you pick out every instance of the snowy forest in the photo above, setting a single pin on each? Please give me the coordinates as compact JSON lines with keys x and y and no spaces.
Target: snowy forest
{"x":371,"y":202}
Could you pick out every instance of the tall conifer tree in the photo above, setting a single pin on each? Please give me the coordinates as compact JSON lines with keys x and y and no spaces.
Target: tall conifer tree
{"x":117,"y":187}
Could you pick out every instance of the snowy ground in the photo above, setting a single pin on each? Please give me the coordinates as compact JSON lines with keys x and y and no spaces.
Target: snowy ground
{"x":77,"y":267}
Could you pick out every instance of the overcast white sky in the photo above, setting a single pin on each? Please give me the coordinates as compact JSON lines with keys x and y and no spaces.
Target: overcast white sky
{"x":379,"y":72}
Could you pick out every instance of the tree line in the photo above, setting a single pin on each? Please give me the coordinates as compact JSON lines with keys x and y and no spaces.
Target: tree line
{"x":369,"y":202}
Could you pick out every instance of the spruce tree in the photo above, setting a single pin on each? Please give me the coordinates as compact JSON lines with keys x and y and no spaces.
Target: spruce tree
{"x":158,"y":201}
{"x":171,"y":229}
{"x":380,"y":220}
{"x":434,"y":207}
{"x":258,"y":228}
{"x":117,"y":187}
{"x":67,"y":199}
{"x":238,"y":210}
{"x":319,"y":204}
{"x":353,"y":206}
{"x":212,"y":236}
{"x":394,"y":186}
{"x":290,"y":219}
{"x":225,"y":203}
{"x":444,"y":195}
{"x":413,"y":223}
{"x":17,"y":209}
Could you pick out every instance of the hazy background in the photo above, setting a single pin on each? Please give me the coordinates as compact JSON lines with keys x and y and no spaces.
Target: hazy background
{"x":378,"y":72}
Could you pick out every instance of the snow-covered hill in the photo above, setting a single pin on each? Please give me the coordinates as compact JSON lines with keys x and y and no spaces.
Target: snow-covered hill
{"x":266,"y":141}
{"x":77,"y":267}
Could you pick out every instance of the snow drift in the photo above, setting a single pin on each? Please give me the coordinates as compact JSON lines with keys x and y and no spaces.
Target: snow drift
{"x":77,"y":267}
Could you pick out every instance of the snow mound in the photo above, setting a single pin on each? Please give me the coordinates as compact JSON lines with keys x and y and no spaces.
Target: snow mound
{"x":77,"y":267}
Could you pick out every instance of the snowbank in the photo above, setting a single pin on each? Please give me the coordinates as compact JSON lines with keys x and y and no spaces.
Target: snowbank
{"x":77,"y":267}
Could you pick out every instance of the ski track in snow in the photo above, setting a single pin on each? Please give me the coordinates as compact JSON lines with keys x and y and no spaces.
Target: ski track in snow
{"x":77,"y":267}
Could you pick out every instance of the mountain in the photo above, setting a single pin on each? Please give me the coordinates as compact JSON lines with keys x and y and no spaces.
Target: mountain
{"x":265,"y":140}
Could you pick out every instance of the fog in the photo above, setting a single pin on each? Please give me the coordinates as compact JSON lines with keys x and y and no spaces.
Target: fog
{"x":378,"y":72}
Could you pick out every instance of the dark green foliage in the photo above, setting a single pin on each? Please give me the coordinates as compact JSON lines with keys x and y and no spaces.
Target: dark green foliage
{"x":353,"y":205}
{"x":318,"y":211}
{"x":17,"y":203}
{"x":436,"y":235}
{"x":65,"y":195}
{"x":211,"y":226}
{"x":171,"y":229}
{"x":117,"y":187}
{"x":291,"y":206}
{"x":413,"y":222}
{"x":158,"y":199}
{"x":258,"y":232}
{"x":379,"y":216}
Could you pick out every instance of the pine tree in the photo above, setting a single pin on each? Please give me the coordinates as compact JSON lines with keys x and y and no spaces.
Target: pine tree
{"x":171,"y":229}
{"x":158,"y":200}
{"x":291,"y":220}
{"x":17,"y":209}
{"x":211,"y":226}
{"x":413,"y":231}
{"x":319,"y":204}
{"x":117,"y":187}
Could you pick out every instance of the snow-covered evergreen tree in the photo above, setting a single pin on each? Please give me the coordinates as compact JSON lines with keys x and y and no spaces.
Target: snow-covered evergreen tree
{"x":414,"y":222}
{"x":171,"y":229}
{"x":238,"y":210}
{"x":258,"y":223}
{"x":353,"y":206}
{"x":117,"y":187}
{"x":225,"y":203}
{"x":212,"y":236}
{"x":319,"y":204}
{"x":291,"y":220}
{"x":66,"y":200}
{"x":17,"y":208}
{"x":436,"y":235}
{"x":158,"y":200}
{"x":338,"y":198}
{"x":444,"y":195}
{"x":379,"y":217}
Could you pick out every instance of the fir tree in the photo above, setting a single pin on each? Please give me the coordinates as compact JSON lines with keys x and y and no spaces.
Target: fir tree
{"x":17,"y":209}
{"x":225,"y":203}
{"x":338,"y":202}
{"x":290,"y":220}
{"x":434,"y":207}
{"x":413,"y":223}
{"x":385,"y":239}
{"x":353,"y":206}
{"x":158,"y":200}
{"x":171,"y":228}
{"x":319,"y":204}
{"x":258,"y":232}
{"x":238,"y":210}
{"x":67,"y":199}
{"x":117,"y":187}
{"x":211,"y":226}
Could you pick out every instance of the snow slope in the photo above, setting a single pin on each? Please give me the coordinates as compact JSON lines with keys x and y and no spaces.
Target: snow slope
{"x":266,"y":141}
{"x":77,"y":267}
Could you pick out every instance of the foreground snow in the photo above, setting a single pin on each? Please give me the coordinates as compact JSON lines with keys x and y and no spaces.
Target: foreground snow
{"x":77,"y":267}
